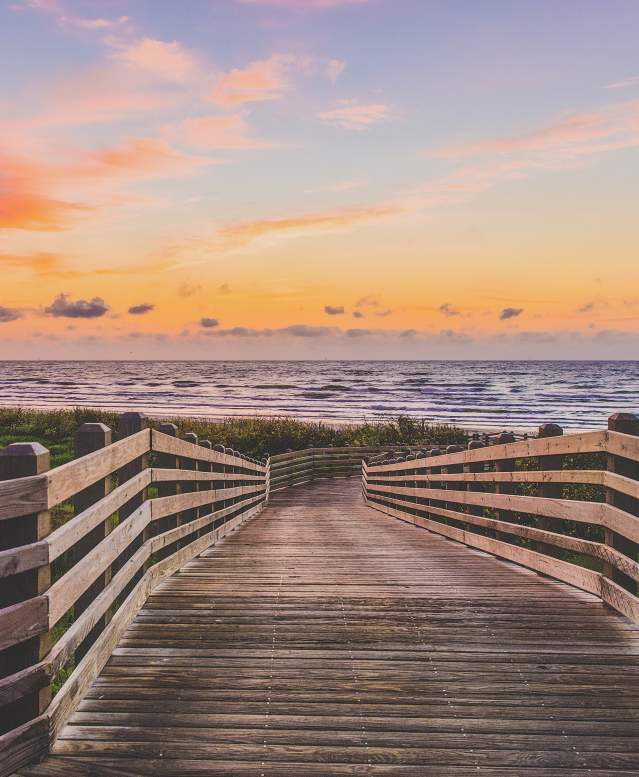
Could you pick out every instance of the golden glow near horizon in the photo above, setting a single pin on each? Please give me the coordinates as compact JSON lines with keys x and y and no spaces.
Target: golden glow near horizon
{"x":344,"y":179}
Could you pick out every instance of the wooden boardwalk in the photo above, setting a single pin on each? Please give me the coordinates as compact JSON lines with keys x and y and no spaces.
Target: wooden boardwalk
{"x":325,"y":638}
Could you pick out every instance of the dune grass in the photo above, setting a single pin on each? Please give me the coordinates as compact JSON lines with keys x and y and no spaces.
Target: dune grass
{"x":254,"y":436}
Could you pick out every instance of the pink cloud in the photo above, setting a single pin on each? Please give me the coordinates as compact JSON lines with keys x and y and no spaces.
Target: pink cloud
{"x":99,"y":24}
{"x":352,"y":115}
{"x":55,"y":8}
{"x":219,"y":132}
{"x":167,"y":60}
{"x":334,"y":69}
{"x":259,"y":81}
{"x":94,"y":96}
{"x":624,"y":84}
{"x":577,"y":134}
{"x":313,"y":5}
{"x":133,"y":156}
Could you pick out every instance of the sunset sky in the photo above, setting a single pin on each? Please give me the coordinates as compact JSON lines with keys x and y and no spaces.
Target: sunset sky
{"x":319,"y":179}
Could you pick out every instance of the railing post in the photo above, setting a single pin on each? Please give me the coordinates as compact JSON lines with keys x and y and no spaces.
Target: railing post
{"x":89,"y":438}
{"x":476,"y":467}
{"x":504,"y":465}
{"x":220,"y":484}
{"x":433,"y":484}
{"x":189,"y":486}
{"x":626,"y":423}
{"x":18,"y":460}
{"x":231,"y":469}
{"x":208,"y":485}
{"x":548,"y":490}
{"x":266,"y":461}
{"x":454,"y":469}
{"x":128,"y":425}
{"x":167,"y":488}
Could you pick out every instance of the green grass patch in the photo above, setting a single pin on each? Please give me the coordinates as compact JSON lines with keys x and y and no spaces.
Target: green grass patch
{"x":253,"y":436}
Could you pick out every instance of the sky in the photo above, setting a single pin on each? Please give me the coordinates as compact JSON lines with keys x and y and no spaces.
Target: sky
{"x":309,"y":179}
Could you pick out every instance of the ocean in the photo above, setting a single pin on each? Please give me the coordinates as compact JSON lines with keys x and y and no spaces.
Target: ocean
{"x":474,"y":394}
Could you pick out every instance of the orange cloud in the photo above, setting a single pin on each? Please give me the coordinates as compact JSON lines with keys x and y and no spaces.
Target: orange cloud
{"x":351,"y":115}
{"x":228,"y":132}
{"x":27,"y":200}
{"x":55,"y":266}
{"x":40,"y":263}
{"x":132,"y":156}
{"x":27,"y":210}
{"x":326,"y":221}
{"x":259,"y":81}
{"x":24,"y":206}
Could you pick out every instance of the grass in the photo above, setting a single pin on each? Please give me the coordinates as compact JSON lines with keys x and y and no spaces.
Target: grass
{"x":254,"y":436}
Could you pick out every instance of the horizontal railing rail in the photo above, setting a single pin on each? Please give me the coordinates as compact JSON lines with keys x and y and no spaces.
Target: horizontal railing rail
{"x":566,"y":506}
{"x":83,"y":545}
{"x":295,"y":468}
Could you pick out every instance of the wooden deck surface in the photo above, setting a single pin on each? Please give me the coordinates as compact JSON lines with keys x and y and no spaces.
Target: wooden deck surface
{"x":324,"y":638}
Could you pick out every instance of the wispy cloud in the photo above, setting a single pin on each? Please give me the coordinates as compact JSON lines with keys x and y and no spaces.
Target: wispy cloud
{"x":334,"y":69}
{"x":259,"y":81}
{"x":309,"y":5}
{"x":357,"y":116}
{"x":571,"y":135}
{"x":334,"y":310}
{"x":56,"y":9}
{"x":338,"y":187}
{"x":169,"y":61}
{"x":209,"y":323}
{"x":131,"y":156}
{"x":228,"y":131}
{"x":317,"y":222}
{"x":625,"y":83}
{"x":28,"y":187}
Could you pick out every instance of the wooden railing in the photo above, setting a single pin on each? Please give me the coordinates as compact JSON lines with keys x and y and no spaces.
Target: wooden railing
{"x":83,"y":545}
{"x":295,"y":468}
{"x":565,"y":506}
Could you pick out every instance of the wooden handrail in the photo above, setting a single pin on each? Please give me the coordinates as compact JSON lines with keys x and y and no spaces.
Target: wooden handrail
{"x":89,"y":576}
{"x":295,"y":468}
{"x":580,"y":526}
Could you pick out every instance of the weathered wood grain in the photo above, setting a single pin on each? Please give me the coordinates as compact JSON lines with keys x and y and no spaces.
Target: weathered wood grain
{"x":586,"y":442}
{"x":163,"y":443}
{"x":23,"y":621}
{"x":67,"y":480}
